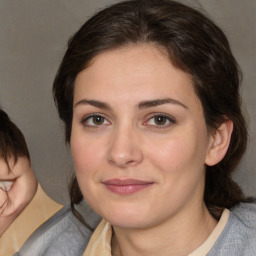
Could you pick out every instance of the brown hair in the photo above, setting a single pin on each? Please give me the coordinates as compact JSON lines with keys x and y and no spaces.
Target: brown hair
{"x":12,"y":141}
{"x":195,"y":45}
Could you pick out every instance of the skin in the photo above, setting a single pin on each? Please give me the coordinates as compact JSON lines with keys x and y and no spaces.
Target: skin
{"x":17,"y":197}
{"x":116,"y":135}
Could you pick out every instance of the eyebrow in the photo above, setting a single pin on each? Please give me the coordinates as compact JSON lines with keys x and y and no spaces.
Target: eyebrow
{"x":141,"y":105}
{"x":94,"y":103}
{"x":158,"y":102}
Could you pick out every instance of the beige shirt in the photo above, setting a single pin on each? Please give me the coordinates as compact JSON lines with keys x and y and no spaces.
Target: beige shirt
{"x":100,"y":242}
{"x":38,"y":211}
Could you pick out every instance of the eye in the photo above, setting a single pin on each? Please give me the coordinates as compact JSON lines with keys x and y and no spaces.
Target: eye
{"x":95,"y":120}
{"x":160,"y":120}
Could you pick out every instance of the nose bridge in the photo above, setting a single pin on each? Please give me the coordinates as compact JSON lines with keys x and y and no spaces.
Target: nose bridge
{"x":124,"y":149}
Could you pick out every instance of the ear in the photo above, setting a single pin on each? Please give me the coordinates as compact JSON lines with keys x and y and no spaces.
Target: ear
{"x":219,"y":143}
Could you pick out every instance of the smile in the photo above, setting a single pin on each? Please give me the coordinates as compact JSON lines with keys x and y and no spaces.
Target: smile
{"x":128,"y":186}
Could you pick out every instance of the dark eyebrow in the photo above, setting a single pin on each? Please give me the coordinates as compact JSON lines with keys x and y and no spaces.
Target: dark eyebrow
{"x":142,"y":105}
{"x":158,"y":102}
{"x":94,"y":103}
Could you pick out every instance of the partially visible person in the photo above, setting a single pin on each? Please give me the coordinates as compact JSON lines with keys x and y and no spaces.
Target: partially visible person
{"x":17,"y":180}
{"x":18,"y":186}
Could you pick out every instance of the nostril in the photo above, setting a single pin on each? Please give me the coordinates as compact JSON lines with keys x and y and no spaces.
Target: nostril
{"x":125,"y":160}
{"x":131,"y":162}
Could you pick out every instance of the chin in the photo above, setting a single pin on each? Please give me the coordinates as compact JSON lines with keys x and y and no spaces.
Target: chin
{"x":124,"y":217}
{"x":127,"y":223}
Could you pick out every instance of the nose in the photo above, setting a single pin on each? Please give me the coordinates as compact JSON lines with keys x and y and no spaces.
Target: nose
{"x":124,"y":149}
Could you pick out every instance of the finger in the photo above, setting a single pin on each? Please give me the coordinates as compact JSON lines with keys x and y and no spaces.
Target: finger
{"x":3,"y":200}
{"x":3,"y":206}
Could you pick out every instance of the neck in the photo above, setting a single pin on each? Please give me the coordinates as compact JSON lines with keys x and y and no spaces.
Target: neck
{"x":179,"y":236}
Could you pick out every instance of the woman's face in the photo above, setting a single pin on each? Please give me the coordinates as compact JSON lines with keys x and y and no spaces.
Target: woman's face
{"x":139,"y":139}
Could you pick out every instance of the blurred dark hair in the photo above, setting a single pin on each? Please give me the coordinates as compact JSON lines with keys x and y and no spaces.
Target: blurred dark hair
{"x":12,"y":141}
{"x":195,"y":45}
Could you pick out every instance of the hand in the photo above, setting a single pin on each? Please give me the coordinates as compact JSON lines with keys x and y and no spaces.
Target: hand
{"x":17,"y":188}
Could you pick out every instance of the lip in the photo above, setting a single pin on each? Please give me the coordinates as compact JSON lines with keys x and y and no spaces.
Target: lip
{"x":126,"y":186}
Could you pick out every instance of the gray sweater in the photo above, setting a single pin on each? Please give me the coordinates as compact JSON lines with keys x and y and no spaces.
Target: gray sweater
{"x":64,"y":235}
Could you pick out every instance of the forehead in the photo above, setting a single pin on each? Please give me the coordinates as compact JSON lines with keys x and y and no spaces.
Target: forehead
{"x":133,"y":71}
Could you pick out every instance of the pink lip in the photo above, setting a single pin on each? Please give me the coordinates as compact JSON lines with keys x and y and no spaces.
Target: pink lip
{"x":127,"y":186}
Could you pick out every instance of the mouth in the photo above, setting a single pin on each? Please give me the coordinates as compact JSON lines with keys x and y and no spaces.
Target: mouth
{"x":6,"y":185}
{"x":127,"y":186}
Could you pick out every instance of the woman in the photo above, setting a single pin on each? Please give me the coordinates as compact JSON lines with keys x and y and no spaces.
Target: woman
{"x":149,"y":95}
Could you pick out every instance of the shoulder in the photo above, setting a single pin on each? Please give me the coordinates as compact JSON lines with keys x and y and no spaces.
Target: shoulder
{"x":246,"y":214}
{"x":239,"y":235}
{"x":63,"y":234}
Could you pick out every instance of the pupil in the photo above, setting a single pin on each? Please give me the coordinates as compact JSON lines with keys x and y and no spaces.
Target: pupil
{"x":160,"y":120}
{"x":98,"y":120}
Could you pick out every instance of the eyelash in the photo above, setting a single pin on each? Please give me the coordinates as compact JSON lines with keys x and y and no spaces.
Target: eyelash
{"x":84,"y":121}
{"x":166,"y":118}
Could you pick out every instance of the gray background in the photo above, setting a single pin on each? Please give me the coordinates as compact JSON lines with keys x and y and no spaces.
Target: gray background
{"x":33,"y":38}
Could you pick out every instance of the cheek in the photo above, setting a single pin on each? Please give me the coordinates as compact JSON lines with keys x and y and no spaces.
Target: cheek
{"x":171,"y":154}
{"x":86,"y":155}
{"x":179,"y":155}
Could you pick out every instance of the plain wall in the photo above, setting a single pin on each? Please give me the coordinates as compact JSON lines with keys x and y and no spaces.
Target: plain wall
{"x":33,"y":39}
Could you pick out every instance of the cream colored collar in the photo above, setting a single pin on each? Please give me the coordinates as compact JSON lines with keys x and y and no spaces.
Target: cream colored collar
{"x":100,"y":242}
